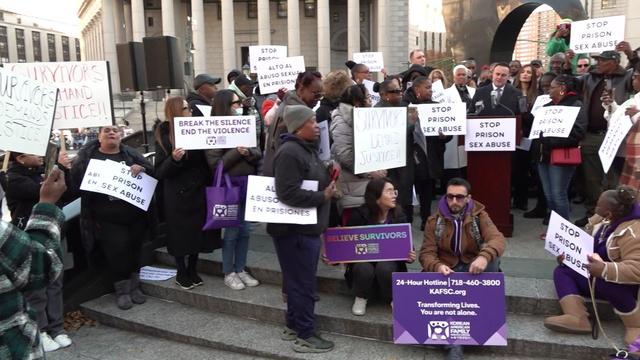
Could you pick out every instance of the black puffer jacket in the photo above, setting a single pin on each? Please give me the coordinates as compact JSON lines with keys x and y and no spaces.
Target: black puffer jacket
{"x":193,"y":98}
{"x":23,"y":192}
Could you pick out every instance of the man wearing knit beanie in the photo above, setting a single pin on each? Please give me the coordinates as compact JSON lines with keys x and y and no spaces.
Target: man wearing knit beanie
{"x":295,"y":116}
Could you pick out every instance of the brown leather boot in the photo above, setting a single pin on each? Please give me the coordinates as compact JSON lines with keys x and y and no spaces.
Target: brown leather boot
{"x":631,"y":321}
{"x":575,"y":319}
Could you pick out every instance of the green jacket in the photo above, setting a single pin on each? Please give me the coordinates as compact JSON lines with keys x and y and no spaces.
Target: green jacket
{"x":556,"y":45}
{"x":31,"y":259}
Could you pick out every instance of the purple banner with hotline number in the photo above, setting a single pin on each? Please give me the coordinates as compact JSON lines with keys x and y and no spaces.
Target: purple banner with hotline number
{"x":368,"y":243}
{"x":459,"y":309}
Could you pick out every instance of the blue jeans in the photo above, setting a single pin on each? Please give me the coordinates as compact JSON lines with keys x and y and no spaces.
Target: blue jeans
{"x":235,"y":247}
{"x":555,"y":182}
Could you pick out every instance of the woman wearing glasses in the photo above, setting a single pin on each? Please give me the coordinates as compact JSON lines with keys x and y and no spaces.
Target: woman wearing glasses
{"x":368,"y":278}
{"x":183,"y":176}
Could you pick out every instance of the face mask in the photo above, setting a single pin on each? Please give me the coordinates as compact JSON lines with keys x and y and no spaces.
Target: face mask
{"x":238,"y":111}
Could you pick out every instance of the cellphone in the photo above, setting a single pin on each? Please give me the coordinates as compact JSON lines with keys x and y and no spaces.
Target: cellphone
{"x":50,"y":158}
{"x":334,"y":174}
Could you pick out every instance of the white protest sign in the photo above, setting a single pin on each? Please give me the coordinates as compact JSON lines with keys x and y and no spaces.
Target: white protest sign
{"x":114,"y":179}
{"x":437,"y":91}
{"x":263,"y":204}
{"x":324,"y":151}
{"x":258,"y":54}
{"x":276,"y":74}
{"x":445,"y":118}
{"x":379,"y":138}
{"x":373,"y":60}
{"x":619,"y":126}
{"x":215,"y":132}
{"x":373,"y":96}
{"x":596,"y":35}
{"x":205,"y":109}
{"x":497,"y":134}
{"x":84,"y":99}
{"x":556,"y":121}
{"x":28,"y":108}
{"x":565,"y":238}
{"x":541,"y":101}
{"x":153,"y":273}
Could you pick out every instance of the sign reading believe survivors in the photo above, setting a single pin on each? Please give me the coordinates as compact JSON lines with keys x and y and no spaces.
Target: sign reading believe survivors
{"x":390,"y":242}
{"x":215,"y":132}
{"x":379,"y":138}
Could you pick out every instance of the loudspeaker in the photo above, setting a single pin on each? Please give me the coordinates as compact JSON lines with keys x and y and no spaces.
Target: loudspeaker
{"x":131,"y":66}
{"x":164,"y":66}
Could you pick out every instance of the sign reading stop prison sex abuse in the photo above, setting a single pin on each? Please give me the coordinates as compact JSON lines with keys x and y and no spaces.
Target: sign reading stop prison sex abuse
{"x":115,"y":179}
{"x":596,"y":35}
{"x":258,"y":54}
{"x":373,"y":60}
{"x":556,"y":121}
{"x":563,"y":237}
{"x":84,"y":97}
{"x":459,"y":309}
{"x":390,"y":242}
{"x":445,"y":118}
{"x":485,"y":134}
{"x":276,"y":74}
{"x":215,"y":132}
{"x":263,"y":205}
{"x":28,"y":108}
{"x":379,"y":138}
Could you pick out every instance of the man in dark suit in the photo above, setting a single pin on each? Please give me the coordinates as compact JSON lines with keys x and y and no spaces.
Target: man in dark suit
{"x":498,"y":99}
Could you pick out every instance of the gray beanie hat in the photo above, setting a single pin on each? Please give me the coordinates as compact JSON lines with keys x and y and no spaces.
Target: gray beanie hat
{"x":296,"y":115}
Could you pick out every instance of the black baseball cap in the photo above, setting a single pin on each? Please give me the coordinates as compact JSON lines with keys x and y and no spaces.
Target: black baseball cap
{"x":607,"y":55}
{"x":243,"y":80}
{"x":202,"y":79}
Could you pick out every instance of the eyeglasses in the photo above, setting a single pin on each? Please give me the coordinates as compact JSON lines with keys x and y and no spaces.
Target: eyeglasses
{"x":457,"y":197}
{"x":239,"y":102}
{"x":582,"y":65}
{"x":393,"y":192}
{"x":396,"y":91}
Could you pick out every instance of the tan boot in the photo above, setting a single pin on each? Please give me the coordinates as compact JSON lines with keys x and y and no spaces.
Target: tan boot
{"x":631,"y":321}
{"x":575,"y":319}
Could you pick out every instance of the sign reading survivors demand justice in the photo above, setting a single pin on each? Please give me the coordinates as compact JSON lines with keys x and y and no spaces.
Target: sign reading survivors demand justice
{"x":497,"y":134}
{"x":276,"y":74}
{"x":565,"y":238}
{"x":258,"y":54}
{"x":448,"y":119}
{"x":84,"y":99}
{"x":114,"y":179}
{"x":596,"y":35}
{"x":373,"y":60}
{"x":379,"y":138}
{"x":459,"y":309}
{"x":368,"y":243}
{"x":27,"y":108}
{"x":556,"y":121}
{"x":215,"y":132}
{"x":264,"y":206}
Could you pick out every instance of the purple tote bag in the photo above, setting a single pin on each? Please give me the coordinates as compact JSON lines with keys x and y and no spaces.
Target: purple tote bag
{"x":223,"y":202}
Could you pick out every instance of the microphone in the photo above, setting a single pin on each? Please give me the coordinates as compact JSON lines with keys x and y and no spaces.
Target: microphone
{"x":479,"y":107}
{"x":494,"y":98}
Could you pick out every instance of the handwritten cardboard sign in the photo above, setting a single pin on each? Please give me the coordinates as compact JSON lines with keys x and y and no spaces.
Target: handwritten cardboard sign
{"x":379,"y":138}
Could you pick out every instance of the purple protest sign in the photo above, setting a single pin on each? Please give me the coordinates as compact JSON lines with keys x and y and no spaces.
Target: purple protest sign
{"x":368,"y":243}
{"x":459,"y":309}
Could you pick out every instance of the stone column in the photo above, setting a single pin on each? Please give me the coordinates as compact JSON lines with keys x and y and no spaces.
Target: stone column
{"x":109,"y":43}
{"x":138,"y":20}
{"x":264,"y":22}
{"x":199,"y":43}
{"x":383,"y":26}
{"x":118,"y":16}
{"x":168,"y":18}
{"x":353,"y":27}
{"x":324,"y":37}
{"x":128,"y":25}
{"x":228,"y":37}
{"x":293,"y":27}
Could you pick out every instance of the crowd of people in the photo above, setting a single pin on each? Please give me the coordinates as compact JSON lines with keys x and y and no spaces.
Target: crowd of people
{"x":459,"y":235}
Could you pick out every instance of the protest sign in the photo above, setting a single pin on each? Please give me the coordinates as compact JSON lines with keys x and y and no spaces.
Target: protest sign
{"x":497,"y":134}
{"x":114,"y":179}
{"x":215,"y":132}
{"x":556,"y":121}
{"x":437,"y":89}
{"x":596,"y":35}
{"x":541,"y":101}
{"x":28,"y":108}
{"x":258,"y":54}
{"x":373,"y":60}
{"x":205,"y":110}
{"x":276,"y":74}
{"x":368,"y":243}
{"x":445,"y":118}
{"x":459,"y":309}
{"x":84,"y":97}
{"x":152,"y":273}
{"x":619,"y":126}
{"x":373,"y":96}
{"x":563,"y":237}
{"x":379,"y":138}
{"x":324,"y":151}
{"x":264,"y":206}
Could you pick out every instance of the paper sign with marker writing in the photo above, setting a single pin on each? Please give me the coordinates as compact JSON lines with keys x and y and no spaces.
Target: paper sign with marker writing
{"x":379,"y":138}
{"x":619,"y":127}
{"x":324,"y":152}
{"x":276,"y":74}
{"x":373,"y":60}
{"x":258,"y":54}
{"x":554,"y":121}
{"x":597,"y":35}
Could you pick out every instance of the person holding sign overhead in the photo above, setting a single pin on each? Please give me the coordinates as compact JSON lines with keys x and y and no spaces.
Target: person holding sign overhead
{"x":614,"y":266}
{"x":184,"y":175}
{"x":298,"y":246}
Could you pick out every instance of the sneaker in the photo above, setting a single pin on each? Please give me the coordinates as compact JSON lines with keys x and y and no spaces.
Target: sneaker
{"x":359,"y":307}
{"x":248,"y":279}
{"x":233,"y":281}
{"x":195,"y":279}
{"x":63,"y":340}
{"x":288,"y":334}
{"x":314,"y":344}
{"x":184,"y":281}
{"x":47,"y":343}
{"x":455,"y":352}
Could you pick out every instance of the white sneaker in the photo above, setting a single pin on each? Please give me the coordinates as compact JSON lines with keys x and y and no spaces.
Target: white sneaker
{"x":233,"y":281}
{"x":359,"y":307}
{"x":248,"y":279}
{"x":63,"y":340}
{"x":47,"y":342}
